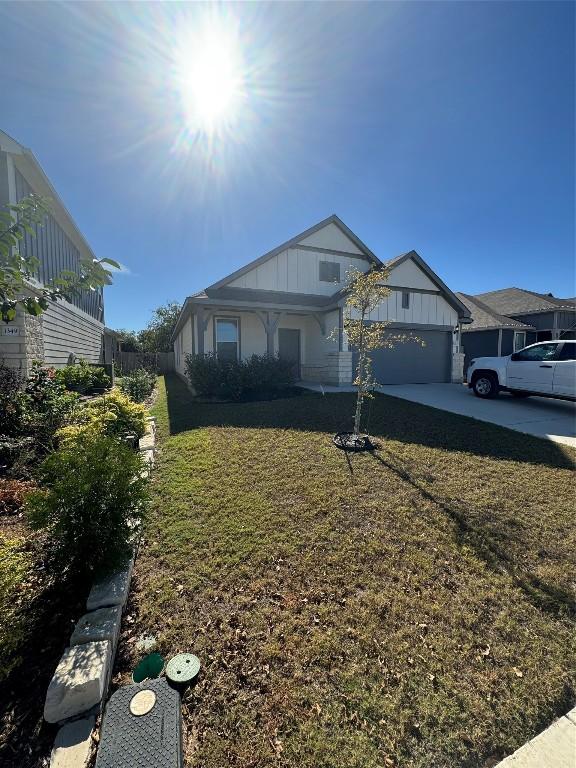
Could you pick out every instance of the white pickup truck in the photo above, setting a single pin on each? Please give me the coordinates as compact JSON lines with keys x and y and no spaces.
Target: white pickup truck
{"x":547,"y":369}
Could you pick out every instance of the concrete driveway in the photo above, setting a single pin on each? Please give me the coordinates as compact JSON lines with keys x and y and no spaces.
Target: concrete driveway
{"x":540,"y":416}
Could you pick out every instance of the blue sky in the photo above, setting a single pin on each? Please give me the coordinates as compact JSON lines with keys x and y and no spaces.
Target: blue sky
{"x":445,"y":127}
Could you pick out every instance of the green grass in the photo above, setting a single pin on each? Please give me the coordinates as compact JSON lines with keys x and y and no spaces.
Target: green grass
{"x":410,"y":607}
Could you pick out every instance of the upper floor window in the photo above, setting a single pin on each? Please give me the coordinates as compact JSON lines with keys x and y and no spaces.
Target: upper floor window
{"x":329,"y":272}
{"x":227,"y":338}
{"x":405,"y":300}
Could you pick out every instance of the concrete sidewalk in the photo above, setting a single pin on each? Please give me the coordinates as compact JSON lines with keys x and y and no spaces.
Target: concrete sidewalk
{"x":553,"y":748}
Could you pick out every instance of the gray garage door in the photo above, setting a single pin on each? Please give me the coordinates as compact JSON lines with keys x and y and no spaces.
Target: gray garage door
{"x":410,"y":363}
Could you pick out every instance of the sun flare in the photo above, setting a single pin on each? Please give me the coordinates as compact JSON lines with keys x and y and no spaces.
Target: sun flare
{"x":211,"y":77}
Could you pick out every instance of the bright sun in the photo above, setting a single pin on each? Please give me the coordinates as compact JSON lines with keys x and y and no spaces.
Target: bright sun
{"x":211,"y":78}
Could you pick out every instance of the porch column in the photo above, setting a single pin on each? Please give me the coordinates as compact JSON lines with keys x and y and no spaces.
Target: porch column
{"x":270,"y":322}
{"x":321,"y":320}
{"x":203,"y":317}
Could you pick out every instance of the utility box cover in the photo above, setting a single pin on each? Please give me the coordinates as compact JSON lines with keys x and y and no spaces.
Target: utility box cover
{"x":152,"y":739}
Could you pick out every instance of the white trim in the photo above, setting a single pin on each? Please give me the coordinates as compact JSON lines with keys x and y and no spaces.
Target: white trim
{"x":517,"y":348}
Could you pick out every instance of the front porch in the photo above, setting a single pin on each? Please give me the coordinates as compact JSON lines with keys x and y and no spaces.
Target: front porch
{"x":311,"y":338}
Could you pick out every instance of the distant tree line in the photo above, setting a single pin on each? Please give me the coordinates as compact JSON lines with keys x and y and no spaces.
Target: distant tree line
{"x":156,"y":336}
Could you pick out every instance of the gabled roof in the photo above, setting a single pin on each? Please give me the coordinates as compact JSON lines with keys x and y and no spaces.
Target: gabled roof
{"x":366,"y":252}
{"x":450,"y":297}
{"x":484,"y":318}
{"x":519,"y":301}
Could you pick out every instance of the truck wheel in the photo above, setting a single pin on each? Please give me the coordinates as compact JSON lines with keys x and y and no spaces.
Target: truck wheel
{"x":485,"y":385}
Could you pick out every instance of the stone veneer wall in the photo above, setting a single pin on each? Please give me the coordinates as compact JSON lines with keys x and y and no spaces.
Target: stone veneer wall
{"x":457,"y":367}
{"x":334,"y":368}
{"x":21,"y":341}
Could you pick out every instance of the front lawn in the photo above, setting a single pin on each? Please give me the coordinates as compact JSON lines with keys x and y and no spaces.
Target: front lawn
{"x":412,"y":607}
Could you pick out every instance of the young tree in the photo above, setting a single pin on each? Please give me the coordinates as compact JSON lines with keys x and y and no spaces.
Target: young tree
{"x":365,"y":290}
{"x":17,"y":270}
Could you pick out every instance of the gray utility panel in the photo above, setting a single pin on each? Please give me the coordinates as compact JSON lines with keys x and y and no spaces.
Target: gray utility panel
{"x":410,"y":363}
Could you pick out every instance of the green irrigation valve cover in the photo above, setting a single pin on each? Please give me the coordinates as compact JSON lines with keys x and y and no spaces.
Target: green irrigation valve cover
{"x":183,"y":668}
{"x":151,"y":666}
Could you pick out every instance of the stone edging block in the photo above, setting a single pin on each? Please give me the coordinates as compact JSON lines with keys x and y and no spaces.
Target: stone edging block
{"x":112,"y":590}
{"x":79,"y":681}
{"x":102,"y":624}
{"x":73,"y":745}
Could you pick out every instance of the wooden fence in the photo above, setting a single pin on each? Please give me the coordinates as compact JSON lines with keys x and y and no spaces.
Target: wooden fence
{"x":160,"y":362}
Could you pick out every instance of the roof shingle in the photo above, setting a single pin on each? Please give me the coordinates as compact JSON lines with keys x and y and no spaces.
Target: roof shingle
{"x":483,"y":317}
{"x":519,"y":301}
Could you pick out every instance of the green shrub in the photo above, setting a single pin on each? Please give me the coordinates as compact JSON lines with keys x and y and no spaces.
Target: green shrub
{"x":112,"y":414}
{"x":15,"y":565}
{"x":31,"y":413}
{"x":259,"y":375}
{"x":47,"y":407}
{"x":94,"y":491}
{"x":138,"y":384}
{"x":11,"y":401}
{"x":204,"y":373}
{"x":82,"y":377}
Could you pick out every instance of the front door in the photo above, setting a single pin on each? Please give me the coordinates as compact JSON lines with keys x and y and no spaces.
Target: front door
{"x":289,"y":347}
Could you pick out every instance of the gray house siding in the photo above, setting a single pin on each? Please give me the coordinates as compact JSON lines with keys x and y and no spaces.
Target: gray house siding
{"x":542,"y":321}
{"x":566,"y":321}
{"x":485,"y":343}
{"x":479,"y":344}
{"x":68,"y":332}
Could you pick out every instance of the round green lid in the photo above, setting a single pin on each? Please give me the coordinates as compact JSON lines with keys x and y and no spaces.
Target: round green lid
{"x":149,"y":667}
{"x":183,"y":668}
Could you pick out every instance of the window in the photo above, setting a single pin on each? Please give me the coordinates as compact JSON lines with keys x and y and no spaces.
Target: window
{"x":405,"y":300}
{"x":568,"y":351}
{"x":536,"y":353}
{"x":227,"y":339}
{"x":329,"y":272}
{"x":519,"y":340}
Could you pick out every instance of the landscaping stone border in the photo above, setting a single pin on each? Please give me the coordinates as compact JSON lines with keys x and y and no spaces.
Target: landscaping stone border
{"x":79,"y":687}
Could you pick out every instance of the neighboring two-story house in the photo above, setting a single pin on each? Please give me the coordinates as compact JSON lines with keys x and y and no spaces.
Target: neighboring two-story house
{"x":290,"y":302}
{"x":551,"y":317}
{"x":504,"y":321}
{"x":66,"y":329}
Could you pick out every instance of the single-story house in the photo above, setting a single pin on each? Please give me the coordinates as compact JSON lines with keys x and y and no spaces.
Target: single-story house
{"x":553,"y":318}
{"x":491,"y":334}
{"x":290,"y":302}
{"x":68,"y":329}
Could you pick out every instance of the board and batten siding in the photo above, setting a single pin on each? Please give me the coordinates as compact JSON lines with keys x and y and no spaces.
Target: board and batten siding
{"x":424,"y":309}
{"x":66,"y":330}
{"x":331,"y":238}
{"x":297,"y":271}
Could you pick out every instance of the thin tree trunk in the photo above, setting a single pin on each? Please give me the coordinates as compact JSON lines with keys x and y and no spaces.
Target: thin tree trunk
{"x":360,"y":396}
